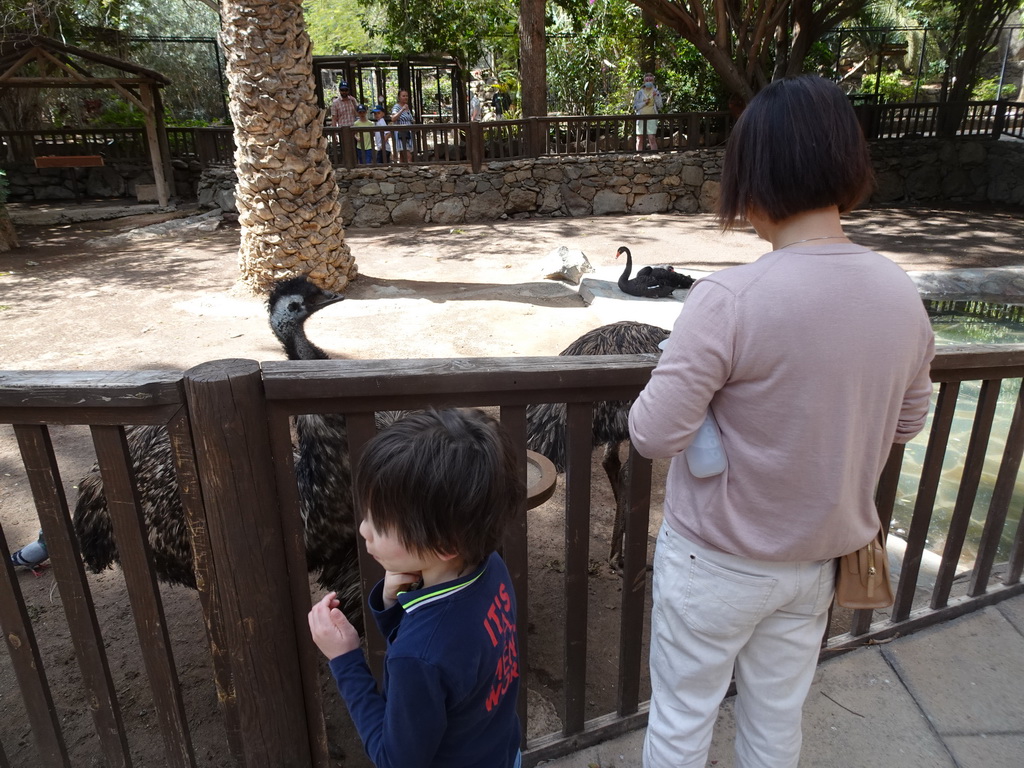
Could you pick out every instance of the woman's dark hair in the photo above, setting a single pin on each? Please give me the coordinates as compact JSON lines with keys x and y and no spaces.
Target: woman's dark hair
{"x":442,"y":481}
{"x":797,"y":147}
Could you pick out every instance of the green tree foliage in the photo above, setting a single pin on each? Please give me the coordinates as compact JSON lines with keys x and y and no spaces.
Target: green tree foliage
{"x":749,"y":44}
{"x":337,"y":27}
{"x":974,"y":25}
{"x":108,"y":27}
{"x":987,"y":89}
{"x":458,"y":28}
{"x":596,"y":59}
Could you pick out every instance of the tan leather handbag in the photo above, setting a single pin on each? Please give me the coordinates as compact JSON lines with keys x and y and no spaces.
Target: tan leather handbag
{"x":862,"y":578}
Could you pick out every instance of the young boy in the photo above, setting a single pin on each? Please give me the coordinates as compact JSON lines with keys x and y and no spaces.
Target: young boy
{"x":381,"y":139}
{"x":436,"y":491}
{"x":364,"y":139}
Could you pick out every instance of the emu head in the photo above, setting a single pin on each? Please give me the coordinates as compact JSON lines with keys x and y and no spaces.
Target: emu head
{"x":290,"y":304}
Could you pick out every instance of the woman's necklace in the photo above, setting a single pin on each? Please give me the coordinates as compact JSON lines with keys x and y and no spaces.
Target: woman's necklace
{"x":809,"y":239}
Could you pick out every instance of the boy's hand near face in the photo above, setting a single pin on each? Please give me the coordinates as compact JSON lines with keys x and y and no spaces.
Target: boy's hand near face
{"x":395,"y":582}
{"x":331,"y":630}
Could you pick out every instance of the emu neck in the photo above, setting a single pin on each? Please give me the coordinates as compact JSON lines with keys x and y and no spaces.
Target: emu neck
{"x":296,"y":345}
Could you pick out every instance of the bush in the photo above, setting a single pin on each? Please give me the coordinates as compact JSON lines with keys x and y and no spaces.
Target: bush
{"x":986,"y":90}
{"x":890,"y":89}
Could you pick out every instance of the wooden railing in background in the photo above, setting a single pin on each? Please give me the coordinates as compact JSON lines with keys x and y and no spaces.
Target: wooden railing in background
{"x":553,"y":136}
{"x":230,"y":419}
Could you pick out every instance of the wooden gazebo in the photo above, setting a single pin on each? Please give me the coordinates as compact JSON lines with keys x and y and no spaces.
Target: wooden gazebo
{"x":34,"y":61}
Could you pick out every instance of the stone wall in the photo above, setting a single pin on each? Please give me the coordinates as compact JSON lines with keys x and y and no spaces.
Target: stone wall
{"x":116,"y":179}
{"x":552,"y":187}
{"x":910,"y":171}
{"x":936,"y":171}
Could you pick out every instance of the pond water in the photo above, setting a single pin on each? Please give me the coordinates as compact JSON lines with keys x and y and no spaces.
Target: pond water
{"x":966,"y":322}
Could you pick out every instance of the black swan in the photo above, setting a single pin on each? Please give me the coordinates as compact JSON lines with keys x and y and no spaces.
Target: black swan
{"x":651,"y":282}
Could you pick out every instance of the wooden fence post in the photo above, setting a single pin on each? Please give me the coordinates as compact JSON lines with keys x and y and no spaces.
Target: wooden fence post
{"x":248,"y":562}
{"x":348,"y":147}
{"x":999,"y":124}
{"x":475,"y":146}
{"x":534,"y":137}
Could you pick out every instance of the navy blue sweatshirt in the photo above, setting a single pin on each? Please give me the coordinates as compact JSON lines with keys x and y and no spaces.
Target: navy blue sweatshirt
{"x":451,"y":676}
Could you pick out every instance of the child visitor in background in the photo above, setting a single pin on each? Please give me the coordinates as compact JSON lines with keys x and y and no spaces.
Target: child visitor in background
{"x":364,"y":139}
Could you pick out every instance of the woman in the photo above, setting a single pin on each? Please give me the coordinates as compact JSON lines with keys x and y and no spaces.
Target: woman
{"x":401,"y":114}
{"x":647,"y":101}
{"x":813,"y":360}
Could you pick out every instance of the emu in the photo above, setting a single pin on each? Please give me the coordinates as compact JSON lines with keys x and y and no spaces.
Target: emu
{"x":322,"y":472}
{"x":545,"y":422}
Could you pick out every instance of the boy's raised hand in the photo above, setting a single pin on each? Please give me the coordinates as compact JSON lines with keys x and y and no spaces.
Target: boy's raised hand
{"x":332,"y":632}
{"x":395,"y":582}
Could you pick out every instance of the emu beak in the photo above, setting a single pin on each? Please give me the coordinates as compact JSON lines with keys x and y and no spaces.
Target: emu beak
{"x":328,"y":298}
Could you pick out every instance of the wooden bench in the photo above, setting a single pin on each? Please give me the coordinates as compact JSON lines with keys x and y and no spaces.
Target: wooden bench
{"x":68,"y":161}
{"x":72,"y":162}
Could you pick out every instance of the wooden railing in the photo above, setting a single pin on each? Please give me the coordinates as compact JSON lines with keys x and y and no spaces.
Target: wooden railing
{"x":551,"y":136}
{"x":554,"y":136}
{"x":980,"y":119}
{"x":230,"y":420}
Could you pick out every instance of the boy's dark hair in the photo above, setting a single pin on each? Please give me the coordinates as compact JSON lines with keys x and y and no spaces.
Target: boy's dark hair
{"x":797,"y":147}
{"x":442,"y":481}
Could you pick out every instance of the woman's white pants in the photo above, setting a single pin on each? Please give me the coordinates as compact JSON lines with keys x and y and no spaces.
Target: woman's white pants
{"x":716,"y":615}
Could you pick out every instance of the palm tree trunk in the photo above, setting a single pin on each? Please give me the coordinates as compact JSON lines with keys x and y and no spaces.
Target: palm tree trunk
{"x":287,"y":196}
{"x":8,"y":237}
{"x":532,"y":59}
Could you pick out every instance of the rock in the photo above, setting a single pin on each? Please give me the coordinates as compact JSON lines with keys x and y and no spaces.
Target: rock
{"x":565,"y":264}
{"x":521,"y":200}
{"x":708,"y":198}
{"x":105,"y":182}
{"x":656,"y":203}
{"x":451,"y":210}
{"x":574,"y":203}
{"x":373,"y":215}
{"x":225,"y":200}
{"x":606,"y":201}
{"x":409,"y":212}
{"x":485,"y":206}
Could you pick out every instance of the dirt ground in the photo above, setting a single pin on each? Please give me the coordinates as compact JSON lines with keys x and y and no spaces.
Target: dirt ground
{"x":92,"y":297}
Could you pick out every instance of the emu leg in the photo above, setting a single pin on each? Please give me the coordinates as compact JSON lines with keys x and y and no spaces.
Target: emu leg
{"x":619,"y":481}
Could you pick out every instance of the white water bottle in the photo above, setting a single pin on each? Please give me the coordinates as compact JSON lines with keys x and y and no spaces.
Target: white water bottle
{"x":706,"y":456}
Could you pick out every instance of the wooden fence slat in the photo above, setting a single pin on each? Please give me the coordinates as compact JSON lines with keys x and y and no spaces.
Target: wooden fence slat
{"x":122,"y":496}
{"x":116,"y":390}
{"x":999,"y":506}
{"x":579,"y":427}
{"x":974,"y":462}
{"x":229,"y":418}
{"x":931,"y":471}
{"x":885,"y":499}
{"x":69,"y":572}
{"x":361,"y":429}
{"x":298,"y":580}
{"x":634,"y":580}
{"x":207,"y":584}
{"x":1016,"y":564}
{"x":28,"y":665}
{"x":516,"y":554}
{"x":528,"y":379}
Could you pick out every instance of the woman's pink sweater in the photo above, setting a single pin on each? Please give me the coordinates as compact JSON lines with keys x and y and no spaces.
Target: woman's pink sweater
{"x":814,"y":360}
